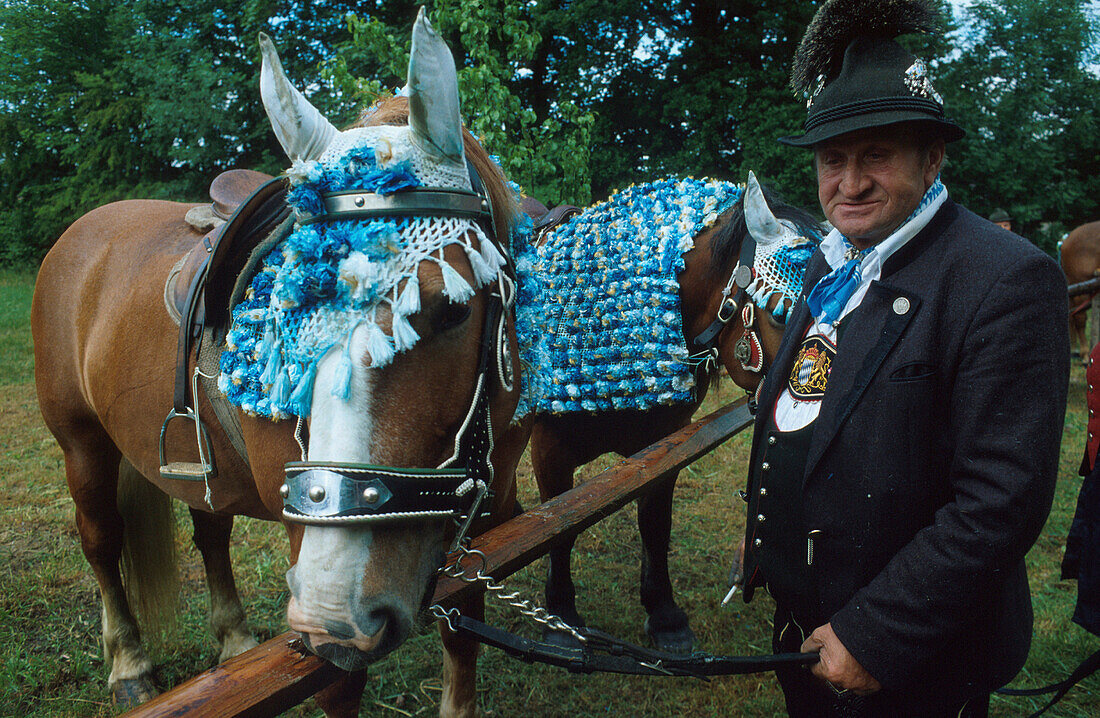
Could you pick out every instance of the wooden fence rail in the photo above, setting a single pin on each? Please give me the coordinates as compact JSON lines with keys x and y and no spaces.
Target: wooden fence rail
{"x":279,"y":673}
{"x":1086,"y":287}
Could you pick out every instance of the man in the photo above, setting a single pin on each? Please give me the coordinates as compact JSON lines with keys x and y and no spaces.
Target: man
{"x":906,"y":442}
{"x":1001,"y":218}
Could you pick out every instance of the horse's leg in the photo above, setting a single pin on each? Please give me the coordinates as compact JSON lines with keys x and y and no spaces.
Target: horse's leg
{"x":342,"y":698}
{"x":554,"y":464}
{"x":227,"y":619}
{"x":91,"y":470}
{"x":1079,"y":324}
{"x":667,"y":624}
{"x":460,"y":665}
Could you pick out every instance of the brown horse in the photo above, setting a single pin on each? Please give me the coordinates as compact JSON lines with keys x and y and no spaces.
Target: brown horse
{"x":1080,"y":258}
{"x":104,"y":358}
{"x":561,"y":442}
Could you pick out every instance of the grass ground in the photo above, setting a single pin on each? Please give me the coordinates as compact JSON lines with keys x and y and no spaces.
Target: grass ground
{"x":50,"y":655}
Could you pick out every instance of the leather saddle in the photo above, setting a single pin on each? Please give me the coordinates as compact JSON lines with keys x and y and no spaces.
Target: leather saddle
{"x":247,"y":208}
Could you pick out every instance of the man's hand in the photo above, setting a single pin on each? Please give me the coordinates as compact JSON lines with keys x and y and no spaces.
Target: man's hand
{"x":836,"y":666}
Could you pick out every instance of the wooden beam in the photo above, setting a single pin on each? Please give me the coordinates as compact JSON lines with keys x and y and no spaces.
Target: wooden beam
{"x":1086,"y":287}
{"x":280,"y":674}
{"x":516,"y":543}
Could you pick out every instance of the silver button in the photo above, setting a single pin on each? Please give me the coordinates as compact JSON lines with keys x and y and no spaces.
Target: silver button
{"x":763,"y":491}
{"x":765,"y":466}
{"x":371,"y":494}
{"x":771,"y":439}
{"x":901,"y":305}
{"x":760,"y":518}
{"x":757,"y":542}
{"x":1090,"y":436}
{"x":284,"y":491}
{"x":317,"y":493}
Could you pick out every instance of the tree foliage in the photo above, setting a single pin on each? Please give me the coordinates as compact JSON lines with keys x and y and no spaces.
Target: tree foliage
{"x":106,"y":100}
{"x":1025,"y":84}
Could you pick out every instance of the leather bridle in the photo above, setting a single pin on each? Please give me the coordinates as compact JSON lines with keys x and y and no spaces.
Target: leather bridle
{"x":749,"y":350}
{"x":334,"y":493}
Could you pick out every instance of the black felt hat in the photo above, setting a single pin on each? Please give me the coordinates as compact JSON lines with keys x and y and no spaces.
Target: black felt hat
{"x":999,"y":215}
{"x":857,"y":76}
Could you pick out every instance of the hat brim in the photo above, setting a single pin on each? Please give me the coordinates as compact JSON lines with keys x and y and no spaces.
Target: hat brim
{"x":828,"y":130}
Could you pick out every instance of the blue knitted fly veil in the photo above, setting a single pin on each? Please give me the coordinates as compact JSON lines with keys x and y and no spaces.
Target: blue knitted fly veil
{"x":328,"y":278}
{"x":598,"y":305}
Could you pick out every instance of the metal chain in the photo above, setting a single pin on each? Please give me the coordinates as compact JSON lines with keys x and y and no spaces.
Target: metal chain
{"x":526,"y":607}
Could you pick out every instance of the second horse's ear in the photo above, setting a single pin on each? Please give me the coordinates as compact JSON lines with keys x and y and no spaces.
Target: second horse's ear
{"x":761,"y":223}
{"x":300,"y":128}
{"x":432,"y":88}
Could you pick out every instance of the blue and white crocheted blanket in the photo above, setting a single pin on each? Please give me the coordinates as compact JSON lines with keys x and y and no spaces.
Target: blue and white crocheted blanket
{"x":598,"y":310}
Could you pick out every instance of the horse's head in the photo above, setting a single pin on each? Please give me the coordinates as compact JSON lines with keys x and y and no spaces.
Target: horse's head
{"x":383,"y":318}
{"x":757,"y":259}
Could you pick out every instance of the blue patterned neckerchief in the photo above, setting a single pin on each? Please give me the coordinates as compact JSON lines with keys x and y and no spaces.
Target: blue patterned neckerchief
{"x":827,"y":300}
{"x":829,"y":297}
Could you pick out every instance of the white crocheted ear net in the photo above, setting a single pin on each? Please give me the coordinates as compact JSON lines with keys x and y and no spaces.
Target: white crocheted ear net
{"x":393,"y":144}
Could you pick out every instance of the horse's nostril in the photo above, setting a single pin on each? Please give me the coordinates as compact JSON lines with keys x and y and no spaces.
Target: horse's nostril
{"x":377,"y":620}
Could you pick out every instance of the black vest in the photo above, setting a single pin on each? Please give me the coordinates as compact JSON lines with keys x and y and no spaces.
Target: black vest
{"x":778,"y":545}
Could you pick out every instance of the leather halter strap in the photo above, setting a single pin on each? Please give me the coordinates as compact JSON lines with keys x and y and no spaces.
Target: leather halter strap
{"x":323,"y":494}
{"x":427,"y":201}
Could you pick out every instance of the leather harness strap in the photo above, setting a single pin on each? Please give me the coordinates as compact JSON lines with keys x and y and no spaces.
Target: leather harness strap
{"x":742,"y":277}
{"x":559,"y":215}
{"x":1082,"y":306}
{"x":602,"y":653}
{"x":1084,"y":669}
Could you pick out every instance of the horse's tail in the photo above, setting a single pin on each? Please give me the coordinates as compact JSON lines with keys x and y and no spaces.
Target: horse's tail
{"x":149,"y":555}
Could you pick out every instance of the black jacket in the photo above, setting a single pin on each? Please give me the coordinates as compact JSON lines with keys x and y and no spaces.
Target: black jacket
{"x":933,"y":460}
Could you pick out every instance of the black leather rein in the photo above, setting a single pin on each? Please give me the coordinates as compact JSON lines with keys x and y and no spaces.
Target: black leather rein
{"x":602,"y":653}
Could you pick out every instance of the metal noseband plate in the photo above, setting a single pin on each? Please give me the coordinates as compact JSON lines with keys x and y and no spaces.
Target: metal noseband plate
{"x":316,"y":493}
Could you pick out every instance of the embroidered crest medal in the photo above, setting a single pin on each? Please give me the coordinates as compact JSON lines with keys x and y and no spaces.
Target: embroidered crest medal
{"x":810,"y":370}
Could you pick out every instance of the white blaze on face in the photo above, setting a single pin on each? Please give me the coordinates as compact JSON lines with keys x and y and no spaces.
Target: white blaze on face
{"x":326,"y":583}
{"x":341,"y":430}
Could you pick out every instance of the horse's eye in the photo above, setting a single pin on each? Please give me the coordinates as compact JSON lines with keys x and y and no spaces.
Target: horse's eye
{"x":452,"y":315}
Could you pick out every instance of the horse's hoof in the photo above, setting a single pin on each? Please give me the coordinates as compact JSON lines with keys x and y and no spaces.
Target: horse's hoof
{"x":672,"y":640}
{"x":132,"y":692}
{"x":235,"y":645}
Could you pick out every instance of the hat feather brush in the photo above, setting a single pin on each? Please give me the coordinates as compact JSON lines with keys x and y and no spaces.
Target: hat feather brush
{"x":839,"y":22}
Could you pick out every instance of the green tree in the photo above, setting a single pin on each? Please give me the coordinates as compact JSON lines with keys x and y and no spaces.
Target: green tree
{"x":493,"y":42}
{"x":102,"y":101}
{"x":678,"y":87}
{"x":1025,"y":85}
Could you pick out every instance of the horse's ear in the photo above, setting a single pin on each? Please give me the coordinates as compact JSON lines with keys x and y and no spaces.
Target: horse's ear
{"x":433,"y":94}
{"x":761,"y":223}
{"x":303,"y":132}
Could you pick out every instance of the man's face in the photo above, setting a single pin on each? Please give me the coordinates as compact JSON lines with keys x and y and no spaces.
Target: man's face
{"x":870,"y":181}
{"x":1005,"y":224}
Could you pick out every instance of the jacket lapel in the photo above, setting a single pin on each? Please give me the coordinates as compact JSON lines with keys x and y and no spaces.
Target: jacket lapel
{"x":874,"y":328}
{"x":873,"y":331}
